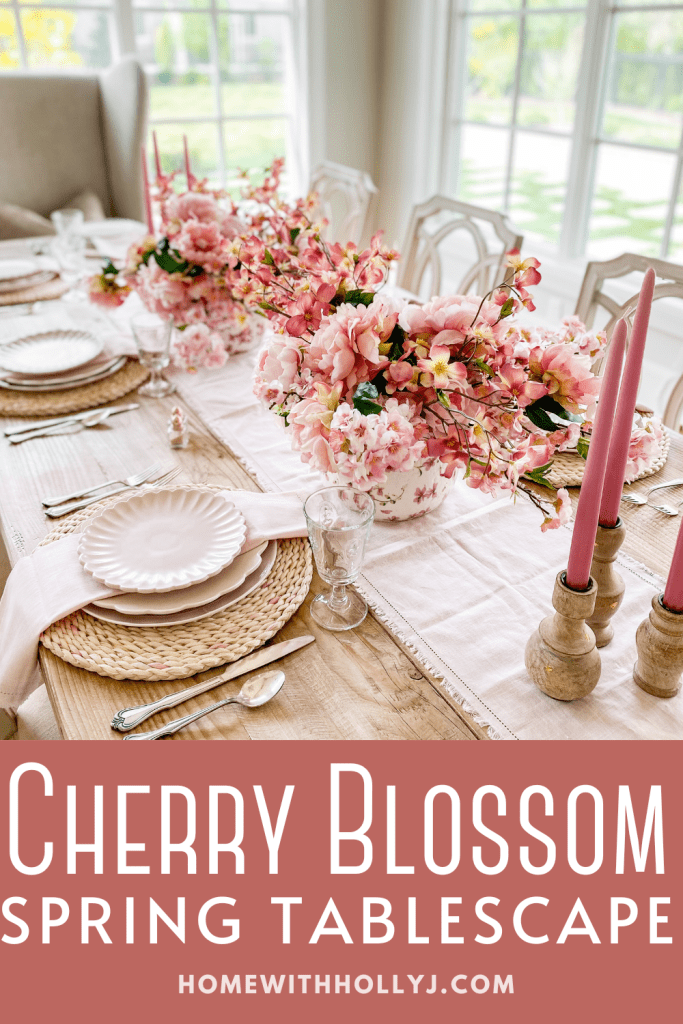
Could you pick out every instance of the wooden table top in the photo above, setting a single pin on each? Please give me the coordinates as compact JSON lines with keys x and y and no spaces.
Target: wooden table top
{"x":361,"y":684}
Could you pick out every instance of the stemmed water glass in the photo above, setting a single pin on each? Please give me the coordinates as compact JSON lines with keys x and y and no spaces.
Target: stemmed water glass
{"x":68,"y":248}
{"x":339,"y":521}
{"x":153,"y":338}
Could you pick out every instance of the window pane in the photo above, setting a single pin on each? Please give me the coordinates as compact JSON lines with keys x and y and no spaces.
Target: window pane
{"x":202,"y":142}
{"x":266,"y":5}
{"x":251,"y":145}
{"x":483,"y":161}
{"x":251,"y":49}
{"x":548,"y":4}
{"x":66,"y":39}
{"x":539,"y":176}
{"x":491,"y":58}
{"x":632,"y":189}
{"x":175,"y":50}
{"x":9,"y":45}
{"x":173,"y":4}
{"x":550,"y":63}
{"x":495,"y":5}
{"x":645,"y":92}
{"x":676,"y":241}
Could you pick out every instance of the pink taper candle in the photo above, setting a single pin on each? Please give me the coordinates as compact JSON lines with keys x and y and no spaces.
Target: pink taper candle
{"x":673,"y":592}
{"x":156,"y":155}
{"x":586,"y":522}
{"x":623,"y":421}
{"x":148,"y":200}
{"x":190,"y":176}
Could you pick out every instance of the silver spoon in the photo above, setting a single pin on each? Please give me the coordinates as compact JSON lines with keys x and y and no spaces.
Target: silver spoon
{"x":256,"y":691}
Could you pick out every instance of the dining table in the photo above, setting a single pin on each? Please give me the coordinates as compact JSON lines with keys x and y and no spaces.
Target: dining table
{"x":363,"y":683}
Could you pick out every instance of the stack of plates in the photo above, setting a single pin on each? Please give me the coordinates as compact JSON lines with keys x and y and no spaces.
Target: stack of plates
{"x":55,"y":361}
{"x":175,"y":557}
{"x":16,"y":275}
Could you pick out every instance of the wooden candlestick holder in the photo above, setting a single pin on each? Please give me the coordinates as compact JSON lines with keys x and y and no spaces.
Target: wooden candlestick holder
{"x":610,"y":584}
{"x":659,"y":640}
{"x":562,"y":657}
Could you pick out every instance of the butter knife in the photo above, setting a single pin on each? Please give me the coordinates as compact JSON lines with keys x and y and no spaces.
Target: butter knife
{"x":69,"y":419}
{"x":128,"y":718}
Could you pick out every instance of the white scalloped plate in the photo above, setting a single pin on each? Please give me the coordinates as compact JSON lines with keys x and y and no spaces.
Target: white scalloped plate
{"x":43,"y":355}
{"x":251,"y":583}
{"x":227,"y":580}
{"x":12,"y":270}
{"x":162,"y":540}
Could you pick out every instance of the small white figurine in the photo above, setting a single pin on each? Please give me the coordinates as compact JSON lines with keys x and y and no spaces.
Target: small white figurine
{"x":178,"y":433}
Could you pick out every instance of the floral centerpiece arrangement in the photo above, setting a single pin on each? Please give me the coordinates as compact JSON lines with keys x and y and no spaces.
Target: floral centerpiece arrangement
{"x":191,"y":271}
{"x":374,"y":389}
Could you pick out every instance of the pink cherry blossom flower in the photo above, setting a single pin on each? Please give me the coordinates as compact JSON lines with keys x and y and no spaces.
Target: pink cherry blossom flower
{"x":562,"y":506}
{"x":197,"y":347}
{"x":437,"y":371}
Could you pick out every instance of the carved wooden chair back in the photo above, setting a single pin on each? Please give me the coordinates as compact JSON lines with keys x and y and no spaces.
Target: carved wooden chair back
{"x":490,"y":232}
{"x":593,"y":297}
{"x":344,"y":199}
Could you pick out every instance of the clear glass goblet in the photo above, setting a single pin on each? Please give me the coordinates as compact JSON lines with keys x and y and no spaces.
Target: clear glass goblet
{"x":153,"y":338}
{"x":339,"y":521}
{"x":68,"y":248}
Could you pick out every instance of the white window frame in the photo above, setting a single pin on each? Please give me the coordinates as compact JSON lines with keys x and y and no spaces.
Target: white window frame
{"x":585,"y":138}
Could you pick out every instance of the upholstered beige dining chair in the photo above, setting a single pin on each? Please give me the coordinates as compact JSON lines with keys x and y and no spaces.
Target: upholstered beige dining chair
{"x":344,"y":196}
{"x":68,"y":135}
{"x":424,"y":257}
{"x":594,"y":301}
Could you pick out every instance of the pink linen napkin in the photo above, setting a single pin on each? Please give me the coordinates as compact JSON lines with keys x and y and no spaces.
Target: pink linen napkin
{"x":50,"y":583}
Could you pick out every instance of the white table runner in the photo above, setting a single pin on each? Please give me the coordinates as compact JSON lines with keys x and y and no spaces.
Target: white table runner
{"x":464,"y":587}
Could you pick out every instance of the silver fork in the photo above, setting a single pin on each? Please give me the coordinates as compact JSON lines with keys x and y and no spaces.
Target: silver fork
{"x":74,"y":506}
{"x":131,"y":481}
{"x":668,"y":510}
{"x":642,"y":499}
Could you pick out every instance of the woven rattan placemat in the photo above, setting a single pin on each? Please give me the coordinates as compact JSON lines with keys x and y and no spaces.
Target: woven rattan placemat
{"x":44,"y":292}
{"x":88,"y":396}
{"x":175,"y":652}
{"x":568,"y":467}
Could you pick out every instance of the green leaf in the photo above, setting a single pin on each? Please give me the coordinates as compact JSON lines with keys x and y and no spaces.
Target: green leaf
{"x":506,"y":308}
{"x":397,"y":337}
{"x":358,"y":298}
{"x":293,"y":234}
{"x":169,"y":263}
{"x":484,"y":367}
{"x":539,"y":417}
{"x":268,"y":259}
{"x":270,"y":306}
{"x":363,"y":399}
{"x":110,"y":270}
{"x":582,"y":446}
{"x":553,"y":407}
{"x":540,"y":475}
{"x":443,"y":398}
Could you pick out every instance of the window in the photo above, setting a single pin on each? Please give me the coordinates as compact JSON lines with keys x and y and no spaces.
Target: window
{"x":220,"y":72}
{"x":569,"y":117}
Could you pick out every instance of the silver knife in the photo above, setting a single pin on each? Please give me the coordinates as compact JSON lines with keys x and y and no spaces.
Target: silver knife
{"x":69,"y":419}
{"x":128,"y":718}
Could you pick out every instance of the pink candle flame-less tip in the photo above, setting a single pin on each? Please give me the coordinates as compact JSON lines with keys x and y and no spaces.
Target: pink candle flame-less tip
{"x":145,"y":185}
{"x":586,"y":522}
{"x":628,"y":394}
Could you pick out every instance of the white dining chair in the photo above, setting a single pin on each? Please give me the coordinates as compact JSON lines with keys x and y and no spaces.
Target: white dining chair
{"x":594,"y":302}
{"x":427,"y":250}
{"x":344,"y":196}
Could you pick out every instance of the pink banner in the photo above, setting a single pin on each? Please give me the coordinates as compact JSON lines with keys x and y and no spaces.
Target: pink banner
{"x":336,"y":881}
